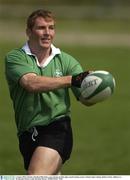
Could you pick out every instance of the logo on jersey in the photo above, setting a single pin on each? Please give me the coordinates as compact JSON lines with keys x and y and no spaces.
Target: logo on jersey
{"x":58,"y":73}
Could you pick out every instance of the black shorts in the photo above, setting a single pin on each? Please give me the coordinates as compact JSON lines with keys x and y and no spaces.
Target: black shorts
{"x":57,"y":135}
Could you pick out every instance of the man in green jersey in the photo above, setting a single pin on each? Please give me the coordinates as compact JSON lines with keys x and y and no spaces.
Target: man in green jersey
{"x":39,"y":76}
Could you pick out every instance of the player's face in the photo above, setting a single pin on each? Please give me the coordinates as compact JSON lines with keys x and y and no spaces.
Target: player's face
{"x":42,"y":33}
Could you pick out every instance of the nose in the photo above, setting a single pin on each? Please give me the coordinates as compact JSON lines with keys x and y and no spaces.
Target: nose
{"x":47,"y":30}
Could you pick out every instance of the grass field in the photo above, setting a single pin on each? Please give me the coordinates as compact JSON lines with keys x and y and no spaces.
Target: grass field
{"x":101,"y":132}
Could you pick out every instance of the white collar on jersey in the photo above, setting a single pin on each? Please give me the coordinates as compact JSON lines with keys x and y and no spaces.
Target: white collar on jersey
{"x":54,"y":52}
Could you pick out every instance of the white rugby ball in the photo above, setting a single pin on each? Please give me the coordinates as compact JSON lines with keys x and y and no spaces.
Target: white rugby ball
{"x":97,"y":86}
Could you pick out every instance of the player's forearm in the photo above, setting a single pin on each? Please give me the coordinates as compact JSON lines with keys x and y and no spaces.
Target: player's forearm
{"x":43,"y":83}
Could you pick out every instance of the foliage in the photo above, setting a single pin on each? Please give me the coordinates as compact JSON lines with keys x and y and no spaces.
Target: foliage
{"x":69,"y":2}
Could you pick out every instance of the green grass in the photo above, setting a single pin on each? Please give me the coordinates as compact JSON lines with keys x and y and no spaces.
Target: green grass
{"x":101,"y":132}
{"x":10,"y":159}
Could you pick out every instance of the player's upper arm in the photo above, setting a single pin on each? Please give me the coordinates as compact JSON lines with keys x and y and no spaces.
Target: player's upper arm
{"x":17,"y":65}
{"x":26,"y":81}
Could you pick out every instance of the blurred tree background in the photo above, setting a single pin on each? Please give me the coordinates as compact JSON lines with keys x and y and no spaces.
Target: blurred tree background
{"x":90,"y":9}
{"x":73,"y":16}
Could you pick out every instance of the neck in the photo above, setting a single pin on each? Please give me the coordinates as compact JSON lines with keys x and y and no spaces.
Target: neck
{"x":42,"y":54}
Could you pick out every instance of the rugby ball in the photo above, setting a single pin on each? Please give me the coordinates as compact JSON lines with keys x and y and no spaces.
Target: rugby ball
{"x":97,"y":86}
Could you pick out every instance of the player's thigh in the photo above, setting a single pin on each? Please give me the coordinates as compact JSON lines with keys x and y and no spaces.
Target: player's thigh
{"x":45,"y":161}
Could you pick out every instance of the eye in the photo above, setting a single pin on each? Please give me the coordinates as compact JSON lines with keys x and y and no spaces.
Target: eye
{"x":52,"y":27}
{"x":41,"y":27}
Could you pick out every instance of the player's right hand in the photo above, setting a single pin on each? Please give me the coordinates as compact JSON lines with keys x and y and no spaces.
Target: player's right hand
{"x":77,"y":79}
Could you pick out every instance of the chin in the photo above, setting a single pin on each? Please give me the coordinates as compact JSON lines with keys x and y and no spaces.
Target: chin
{"x":46,"y":46}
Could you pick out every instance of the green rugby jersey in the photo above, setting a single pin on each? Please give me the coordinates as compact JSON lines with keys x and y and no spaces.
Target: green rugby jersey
{"x":33,"y":109}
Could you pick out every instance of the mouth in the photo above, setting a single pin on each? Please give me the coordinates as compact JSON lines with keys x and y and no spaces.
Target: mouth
{"x":45,"y":40}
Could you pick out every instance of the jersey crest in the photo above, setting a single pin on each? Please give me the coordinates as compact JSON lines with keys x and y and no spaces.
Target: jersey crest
{"x":58,"y":73}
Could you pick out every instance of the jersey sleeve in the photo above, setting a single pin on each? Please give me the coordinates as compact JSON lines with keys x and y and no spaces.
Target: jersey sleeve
{"x":16,"y":65}
{"x":74,"y":68}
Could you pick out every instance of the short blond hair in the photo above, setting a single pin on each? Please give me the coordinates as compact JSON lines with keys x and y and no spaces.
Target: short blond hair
{"x":39,"y":13}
